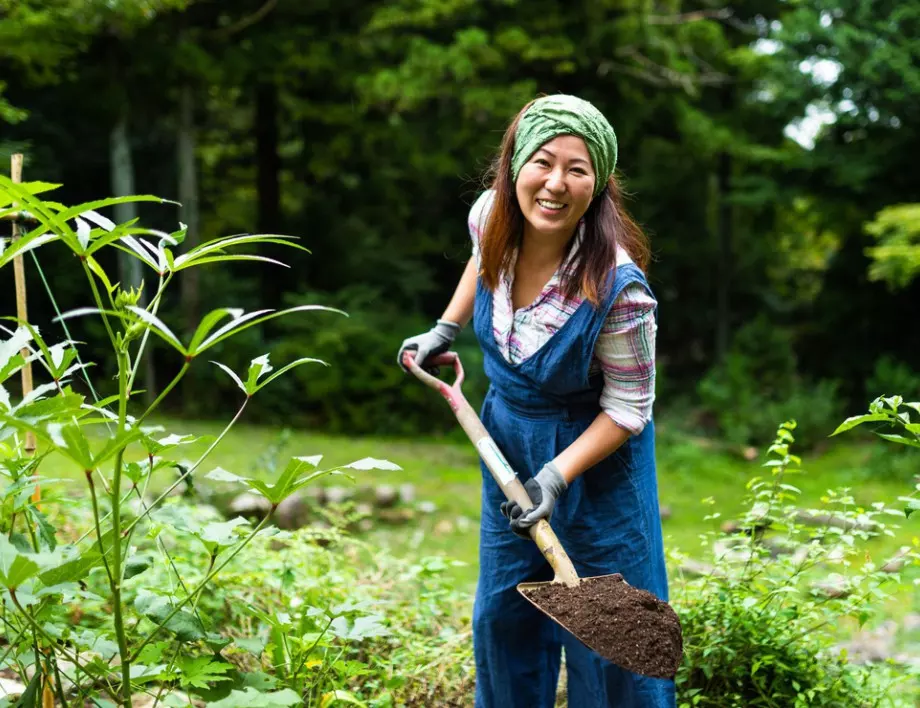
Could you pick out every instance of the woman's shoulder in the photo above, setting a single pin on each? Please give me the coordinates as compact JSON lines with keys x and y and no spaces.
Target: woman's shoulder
{"x":479,"y":213}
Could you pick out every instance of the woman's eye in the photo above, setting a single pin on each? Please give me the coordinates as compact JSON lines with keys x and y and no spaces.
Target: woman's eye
{"x":541,"y":161}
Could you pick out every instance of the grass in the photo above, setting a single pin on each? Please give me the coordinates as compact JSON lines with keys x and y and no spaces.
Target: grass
{"x":447,"y":474}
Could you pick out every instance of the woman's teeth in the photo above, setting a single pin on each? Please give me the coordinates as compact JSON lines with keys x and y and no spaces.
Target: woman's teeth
{"x":550,"y":205}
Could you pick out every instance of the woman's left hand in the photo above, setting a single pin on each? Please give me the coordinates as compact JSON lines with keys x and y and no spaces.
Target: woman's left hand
{"x":543,"y":490}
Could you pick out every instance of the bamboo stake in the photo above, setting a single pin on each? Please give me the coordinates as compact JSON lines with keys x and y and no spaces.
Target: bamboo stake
{"x":22,"y":311}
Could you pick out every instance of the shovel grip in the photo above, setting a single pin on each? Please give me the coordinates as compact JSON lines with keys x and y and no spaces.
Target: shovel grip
{"x":502,"y":472}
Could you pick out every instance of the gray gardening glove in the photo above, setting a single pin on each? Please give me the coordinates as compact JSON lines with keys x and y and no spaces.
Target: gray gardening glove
{"x":435,"y":341}
{"x":543,"y":490}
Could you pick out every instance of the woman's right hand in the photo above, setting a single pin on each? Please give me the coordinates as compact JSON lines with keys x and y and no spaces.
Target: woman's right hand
{"x":435,"y":341}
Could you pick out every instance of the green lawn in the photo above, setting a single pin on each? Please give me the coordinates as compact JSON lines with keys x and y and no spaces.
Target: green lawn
{"x":447,"y":474}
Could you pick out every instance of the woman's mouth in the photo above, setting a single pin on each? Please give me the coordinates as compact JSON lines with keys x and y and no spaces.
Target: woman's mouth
{"x":550,"y":205}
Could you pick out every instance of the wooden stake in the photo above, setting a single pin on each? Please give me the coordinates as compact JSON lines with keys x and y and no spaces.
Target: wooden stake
{"x":22,"y":310}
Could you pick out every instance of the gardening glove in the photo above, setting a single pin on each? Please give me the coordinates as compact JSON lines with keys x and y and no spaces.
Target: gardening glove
{"x":435,"y":341}
{"x":543,"y":490}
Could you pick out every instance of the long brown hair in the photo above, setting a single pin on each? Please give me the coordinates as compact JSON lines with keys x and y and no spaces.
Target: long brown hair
{"x":607,"y":225}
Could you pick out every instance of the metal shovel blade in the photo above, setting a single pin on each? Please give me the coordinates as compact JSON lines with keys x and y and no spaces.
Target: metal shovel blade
{"x":627,"y":626}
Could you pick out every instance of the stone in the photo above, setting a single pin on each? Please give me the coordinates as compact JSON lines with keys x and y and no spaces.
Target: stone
{"x":293,"y":512}
{"x":426,"y":507}
{"x":364,"y":509}
{"x":11,"y":688}
{"x":406,"y":493}
{"x":911,"y":622}
{"x":250,"y":505}
{"x":443,"y":527}
{"x":338,"y":495}
{"x":365,"y":525}
{"x":664,"y":511}
{"x":385,"y":496}
{"x":398,"y":515}
{"x":749,"y":454}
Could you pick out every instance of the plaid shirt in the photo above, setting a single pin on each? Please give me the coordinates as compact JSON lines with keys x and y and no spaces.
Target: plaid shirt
{"x":625,"y":348}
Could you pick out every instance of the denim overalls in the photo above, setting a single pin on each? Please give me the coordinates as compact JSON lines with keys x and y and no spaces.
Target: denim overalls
{"x":607,"y":520}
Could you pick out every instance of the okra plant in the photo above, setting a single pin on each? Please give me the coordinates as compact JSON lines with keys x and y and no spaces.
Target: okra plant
{"x":42,"y":572}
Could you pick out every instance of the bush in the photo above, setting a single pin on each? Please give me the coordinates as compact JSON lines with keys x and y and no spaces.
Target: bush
{"x":364,"y":391}
{"x":315,"y":611}
{"x":757,"y":384}
{"x":758,"y":629}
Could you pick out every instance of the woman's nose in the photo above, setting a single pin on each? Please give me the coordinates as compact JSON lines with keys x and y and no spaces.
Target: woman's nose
{"x":555,"y":181}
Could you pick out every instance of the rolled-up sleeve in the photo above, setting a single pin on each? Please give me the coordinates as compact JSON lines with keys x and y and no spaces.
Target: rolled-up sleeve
{"x":625,"y":349}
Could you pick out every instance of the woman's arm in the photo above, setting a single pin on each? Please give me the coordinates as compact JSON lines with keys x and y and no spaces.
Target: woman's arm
{"x":601,"y":439}
{"x":460,"y":307}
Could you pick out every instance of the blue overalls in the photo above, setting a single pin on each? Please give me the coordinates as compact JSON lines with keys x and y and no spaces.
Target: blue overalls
{"x":607,"y":521}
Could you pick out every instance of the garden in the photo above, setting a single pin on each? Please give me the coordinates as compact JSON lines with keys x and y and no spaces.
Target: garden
{"x":217,"y":488}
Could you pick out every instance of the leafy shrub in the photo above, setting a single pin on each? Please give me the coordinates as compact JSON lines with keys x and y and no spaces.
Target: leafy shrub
{"x":143,"y":634}
{"x":757,"y":384}
{"x":896,"y":421}
{"x":365,"y":391}
{"x":758,"y":629}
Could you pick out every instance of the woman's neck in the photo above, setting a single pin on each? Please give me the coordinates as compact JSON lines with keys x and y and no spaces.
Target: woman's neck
{"x":542,"y":250}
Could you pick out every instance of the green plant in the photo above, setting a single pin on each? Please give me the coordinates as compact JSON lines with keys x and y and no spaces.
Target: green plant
{"x":895,"y":421}
{"x":156,"y":635}
{"x":760,"y":626}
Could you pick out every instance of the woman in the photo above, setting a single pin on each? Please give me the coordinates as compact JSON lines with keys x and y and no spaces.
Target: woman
{"x":566,"y":321}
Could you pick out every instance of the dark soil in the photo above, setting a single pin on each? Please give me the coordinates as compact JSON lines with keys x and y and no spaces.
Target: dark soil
{"x":630,"y":627}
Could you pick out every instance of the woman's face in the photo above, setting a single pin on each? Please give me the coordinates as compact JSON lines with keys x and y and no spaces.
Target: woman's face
{"x":555,"y":186}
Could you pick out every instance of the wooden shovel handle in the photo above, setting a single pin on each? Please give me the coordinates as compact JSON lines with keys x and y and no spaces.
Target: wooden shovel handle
{"x":495,"y":461}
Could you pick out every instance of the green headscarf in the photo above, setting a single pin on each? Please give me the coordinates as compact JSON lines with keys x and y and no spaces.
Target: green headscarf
{"x":552,"y":116}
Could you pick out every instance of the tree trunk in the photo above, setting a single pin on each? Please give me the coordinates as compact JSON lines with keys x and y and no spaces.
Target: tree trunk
{"x":188,"y":198}
{"x":268,"y":164}
{"x":725,"y":261}
{"x":122,"y":178}
{"x":130,"y":271}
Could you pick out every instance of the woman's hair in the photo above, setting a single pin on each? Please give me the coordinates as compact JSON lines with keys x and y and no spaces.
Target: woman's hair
{"x":607,"y":224}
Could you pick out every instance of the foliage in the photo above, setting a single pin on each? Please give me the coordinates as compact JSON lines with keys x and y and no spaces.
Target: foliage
{"x":896,"y":258}
{"x":759,"y":629}
{"x":758,"y":383}
{"x":146,"y":632}
{"x":898,"y":419}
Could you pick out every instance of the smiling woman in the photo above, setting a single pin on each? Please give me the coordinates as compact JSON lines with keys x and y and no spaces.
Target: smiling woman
{"x":566,"y":321}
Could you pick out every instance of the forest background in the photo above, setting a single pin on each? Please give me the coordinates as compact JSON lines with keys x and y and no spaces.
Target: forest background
{"x":768,"y":146}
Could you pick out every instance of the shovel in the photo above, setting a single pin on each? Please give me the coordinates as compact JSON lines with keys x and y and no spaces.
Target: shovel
{"x":627,"y":626}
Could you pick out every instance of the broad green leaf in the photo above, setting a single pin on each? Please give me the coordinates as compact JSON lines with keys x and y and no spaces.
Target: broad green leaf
{"x":219,"y":474}
{"x":222,"y":533}
{"x":15,"y":566}
{"x":902,"y":439}
{"x":75,"y":564}
{"x":369,"y":463}
{"x":254,"y":645}
{"x":200,"y":671}
{"x":184,"y":625}
{"x":251,"y":698}
{"x":852,"y":422}
{"x":340,"y":696}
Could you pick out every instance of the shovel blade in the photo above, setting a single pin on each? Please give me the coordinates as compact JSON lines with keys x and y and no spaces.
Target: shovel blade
{"x":627,"y":626}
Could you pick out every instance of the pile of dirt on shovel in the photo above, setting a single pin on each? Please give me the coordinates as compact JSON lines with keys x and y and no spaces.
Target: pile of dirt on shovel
{"x":626,"y":625}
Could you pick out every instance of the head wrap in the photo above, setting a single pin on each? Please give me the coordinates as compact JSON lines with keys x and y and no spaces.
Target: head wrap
{"x":552,"y":116}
